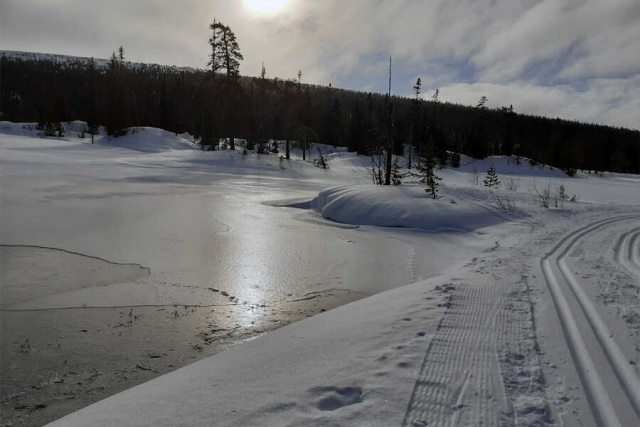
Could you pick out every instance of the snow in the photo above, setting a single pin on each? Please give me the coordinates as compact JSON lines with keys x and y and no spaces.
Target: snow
{"x":525,"y":317}
{"x":404,"y":206}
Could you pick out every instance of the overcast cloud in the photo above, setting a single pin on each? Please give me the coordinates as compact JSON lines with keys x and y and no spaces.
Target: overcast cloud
{"x":577,"y":59}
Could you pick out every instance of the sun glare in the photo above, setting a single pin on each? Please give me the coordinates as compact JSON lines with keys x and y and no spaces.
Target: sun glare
{"x":265,"y":7}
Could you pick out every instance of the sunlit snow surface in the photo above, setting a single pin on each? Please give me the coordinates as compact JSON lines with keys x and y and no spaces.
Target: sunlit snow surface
{"x":479,"y":342}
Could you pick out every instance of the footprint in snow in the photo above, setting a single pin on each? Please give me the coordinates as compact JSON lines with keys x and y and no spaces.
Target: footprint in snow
{"x":334,"y":398}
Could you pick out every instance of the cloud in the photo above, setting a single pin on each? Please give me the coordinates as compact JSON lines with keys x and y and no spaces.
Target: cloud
{"x":606,"y":100}
{"x":547,"y":56}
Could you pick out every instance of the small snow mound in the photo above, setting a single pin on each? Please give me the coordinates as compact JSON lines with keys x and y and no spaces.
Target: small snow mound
{"x":402,"y":206}
{"x":149,"y":140}
{"x":23,"y":129}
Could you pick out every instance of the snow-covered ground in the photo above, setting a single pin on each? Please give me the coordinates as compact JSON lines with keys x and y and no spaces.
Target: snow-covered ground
{"x":488,"y":309}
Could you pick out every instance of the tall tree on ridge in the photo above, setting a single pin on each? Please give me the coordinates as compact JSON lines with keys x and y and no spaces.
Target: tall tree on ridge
{"x":225,"y":55}
{"x":225,"y":51}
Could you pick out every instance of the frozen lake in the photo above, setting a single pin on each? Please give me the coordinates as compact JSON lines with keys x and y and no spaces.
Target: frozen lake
{"x":120,"y":265}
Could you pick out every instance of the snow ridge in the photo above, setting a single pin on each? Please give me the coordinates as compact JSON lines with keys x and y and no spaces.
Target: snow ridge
{"x":100,"y":63}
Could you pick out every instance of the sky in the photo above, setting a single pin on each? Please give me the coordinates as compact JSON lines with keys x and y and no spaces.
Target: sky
{"x":574,"y":59}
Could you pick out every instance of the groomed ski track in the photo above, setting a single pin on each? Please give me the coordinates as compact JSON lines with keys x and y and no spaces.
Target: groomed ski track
{"x":573,"y":307}
{"x":627,"y":253}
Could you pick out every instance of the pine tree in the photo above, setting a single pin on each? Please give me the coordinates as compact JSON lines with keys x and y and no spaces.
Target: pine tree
{"x":225,"y":51}
{"x":482,"y":104}
{"x":91,"y":102}
{"x":118,"y":120}
{"x":417,"y":88}
{"x":491,"y":180}
{"x":426,"y":172}
{"x":225,"y":56}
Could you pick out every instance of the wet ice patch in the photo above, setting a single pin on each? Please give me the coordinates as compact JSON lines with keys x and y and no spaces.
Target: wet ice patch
{"x":31,"y":272}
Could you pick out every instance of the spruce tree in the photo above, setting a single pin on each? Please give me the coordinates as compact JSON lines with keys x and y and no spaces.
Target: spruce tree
{"x":426,"y":172}
{"x":491,"y":180}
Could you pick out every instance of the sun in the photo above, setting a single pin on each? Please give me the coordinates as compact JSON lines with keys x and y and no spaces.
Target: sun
{"x":265,"y":7}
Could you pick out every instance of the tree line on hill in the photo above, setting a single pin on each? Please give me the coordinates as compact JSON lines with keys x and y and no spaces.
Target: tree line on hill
{"x":219,"y":103}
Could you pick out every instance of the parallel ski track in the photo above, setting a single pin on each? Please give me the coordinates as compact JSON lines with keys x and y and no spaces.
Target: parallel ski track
{"x":626,"y":252}
{"x":564,"y":286}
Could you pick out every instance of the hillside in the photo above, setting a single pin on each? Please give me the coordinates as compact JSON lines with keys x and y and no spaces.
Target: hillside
{"x":52,"y":88}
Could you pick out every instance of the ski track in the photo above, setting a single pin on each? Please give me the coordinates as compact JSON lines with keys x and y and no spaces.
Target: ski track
{"x":626,"y":252}
{"x":456,"y":361}
{"x":567,"y":293}
{"x":481,"y":367}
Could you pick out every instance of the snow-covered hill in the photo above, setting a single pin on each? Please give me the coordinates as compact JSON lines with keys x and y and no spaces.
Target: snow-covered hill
{"x":67,"y":59}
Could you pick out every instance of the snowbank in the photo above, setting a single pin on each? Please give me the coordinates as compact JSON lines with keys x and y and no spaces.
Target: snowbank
{"x":142,"y":139}
{"x":402,"y":206}
{"x":149,"y":140}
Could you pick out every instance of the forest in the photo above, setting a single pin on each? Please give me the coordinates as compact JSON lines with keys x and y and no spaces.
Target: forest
{"x":218,"y":103}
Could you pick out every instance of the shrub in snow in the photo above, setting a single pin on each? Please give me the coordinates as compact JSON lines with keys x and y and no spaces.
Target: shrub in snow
{"x":474,"y":178}
{"x":560,"y":196}
{"x":320,"y":161}
{"x":504,"y":203}
{"x":543,"y":197}
{"x":512,"y":185}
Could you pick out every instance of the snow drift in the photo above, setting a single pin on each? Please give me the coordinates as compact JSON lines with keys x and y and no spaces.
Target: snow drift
{"x":402,"y":206}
